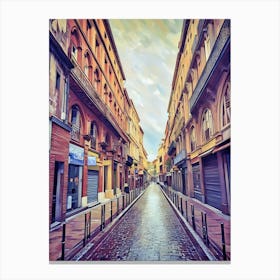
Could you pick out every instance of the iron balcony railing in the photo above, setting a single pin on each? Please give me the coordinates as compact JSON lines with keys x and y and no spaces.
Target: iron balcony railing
{"x":75,"y":132}
{"x":182,"y":155}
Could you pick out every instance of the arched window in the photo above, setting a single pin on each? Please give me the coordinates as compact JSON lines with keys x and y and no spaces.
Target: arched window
{"x":226,"y":109}
{"x":193,"y":139}
{"x":96,"y":80}
{"x":88,"y":66}
{"x":207,"y":125}
{"x":93,"y":135}
{"x":75,"y":45}
{"x":75,"y":123}
{"x":107,"y":140}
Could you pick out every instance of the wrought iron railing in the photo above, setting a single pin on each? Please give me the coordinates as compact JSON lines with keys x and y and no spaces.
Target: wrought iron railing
{"x":75,"y":132}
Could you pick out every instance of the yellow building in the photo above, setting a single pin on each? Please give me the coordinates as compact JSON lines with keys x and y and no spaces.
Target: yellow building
{"x":199,"y":113}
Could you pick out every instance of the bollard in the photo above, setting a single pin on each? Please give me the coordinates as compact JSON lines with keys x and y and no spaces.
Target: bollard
{"x":104,"y":216}
{"x":182,"y":212}
{"x":123,"y":202}
{"x":102,"y":226}
{"x":85,"y":231}
{"x":187,"y":218}
{"x":89,"y":225}
{"x":223,"y":242}
{"x":193,"y":217}
{"x":203,"y":227}
{"x":111,"y":218}
{"x":118,"y":206}
{"x":206,"y":229}
{"x":63,"y":241}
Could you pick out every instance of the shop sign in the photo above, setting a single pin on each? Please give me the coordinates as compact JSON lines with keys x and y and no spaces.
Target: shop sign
{"x":76,"y":155}
{"x":91,"y":161}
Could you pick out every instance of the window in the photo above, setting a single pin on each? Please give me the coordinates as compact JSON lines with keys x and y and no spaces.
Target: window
{"x":207,"y":47}
{"x":57,"y":81}
{"x":193,"y":140}
{"x":88,"y":67}
{"x":207,"y":125}
{"x":226,"y":110}
{"x":88,"y":29}
{"x":96,"y":80}
{"x":93,"y":135}
{"x":97,"y":49}
{"x":76,"y":123}
{"x":74,"y":52}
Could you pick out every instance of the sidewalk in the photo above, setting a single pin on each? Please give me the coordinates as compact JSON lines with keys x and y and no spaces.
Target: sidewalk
{"x":69,"y":237}
{"x":212,"y":228}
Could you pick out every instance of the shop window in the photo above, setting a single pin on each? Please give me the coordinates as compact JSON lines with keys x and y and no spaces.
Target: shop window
{"x":93,"y":135}
{"x":207,"y":125}
{"x":226,"y":109}
{"x":75,"y":123}
{"x":74,"y":188}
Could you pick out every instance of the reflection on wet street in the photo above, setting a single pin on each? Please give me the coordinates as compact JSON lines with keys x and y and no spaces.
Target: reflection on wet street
{"x":149,"y":231}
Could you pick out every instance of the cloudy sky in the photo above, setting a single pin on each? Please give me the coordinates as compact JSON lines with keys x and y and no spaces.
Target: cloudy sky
{"x":148,"y":51}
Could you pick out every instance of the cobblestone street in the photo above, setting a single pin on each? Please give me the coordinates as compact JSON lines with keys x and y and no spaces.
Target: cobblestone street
{"x":149,"y":231}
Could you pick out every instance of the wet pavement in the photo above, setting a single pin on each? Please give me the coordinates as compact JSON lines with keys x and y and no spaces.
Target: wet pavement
{"x":149,"y":231}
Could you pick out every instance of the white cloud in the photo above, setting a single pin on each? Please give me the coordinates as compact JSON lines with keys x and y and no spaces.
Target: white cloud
{"x":148,"y":51}
{"x":156,"y":92}
{"x":147,"y":81}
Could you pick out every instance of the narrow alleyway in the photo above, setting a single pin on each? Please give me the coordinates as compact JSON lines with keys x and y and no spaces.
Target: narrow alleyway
{"x":149,"y":231}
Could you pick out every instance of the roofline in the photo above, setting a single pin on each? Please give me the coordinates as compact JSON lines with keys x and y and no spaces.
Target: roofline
{"x":181,"y":45}
{"x":110,"y":34}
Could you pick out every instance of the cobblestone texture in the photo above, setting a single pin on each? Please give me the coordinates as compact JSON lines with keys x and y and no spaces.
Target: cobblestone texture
{"x":150,"y":231}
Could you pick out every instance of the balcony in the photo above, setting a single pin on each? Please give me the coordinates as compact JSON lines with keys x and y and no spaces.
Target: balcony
{"x":93,"y":142}
{"x":172,"y":148}
{"x":219,"y":48}
{"x":129,"y":160}
{"x":182,"y":155}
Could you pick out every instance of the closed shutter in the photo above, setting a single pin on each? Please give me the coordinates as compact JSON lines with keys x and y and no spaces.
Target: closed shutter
{"x":196,"y":181}
{"x":92,"y":189}
{"x":212,"y":181}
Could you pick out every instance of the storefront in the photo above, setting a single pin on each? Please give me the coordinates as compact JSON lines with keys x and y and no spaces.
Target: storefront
{"x":212,"y":184}
{"x":196,"y":181}
{"x":93,"y":178}
{"x":75,"y":176}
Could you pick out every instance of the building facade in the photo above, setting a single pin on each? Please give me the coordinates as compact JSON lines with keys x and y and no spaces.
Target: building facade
{"x":198,"y":126}
{"x":89,"y":117}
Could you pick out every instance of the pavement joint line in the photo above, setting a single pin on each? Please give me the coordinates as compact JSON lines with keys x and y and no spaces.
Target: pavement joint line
{"x":208,"y":253}
{"x":105,"y":233}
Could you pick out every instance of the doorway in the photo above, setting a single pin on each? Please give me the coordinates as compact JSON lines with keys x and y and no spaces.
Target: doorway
{"x":57,"y":187}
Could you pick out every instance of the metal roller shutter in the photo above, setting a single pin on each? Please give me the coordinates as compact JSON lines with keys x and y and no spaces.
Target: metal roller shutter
{"x":196,"y":181}
{"x":92,"y":188}
{"x":212,"y":181}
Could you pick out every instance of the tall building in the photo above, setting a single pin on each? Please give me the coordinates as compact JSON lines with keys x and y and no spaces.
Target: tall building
{"x":89,"y":117}
{"x":199,"y":113}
